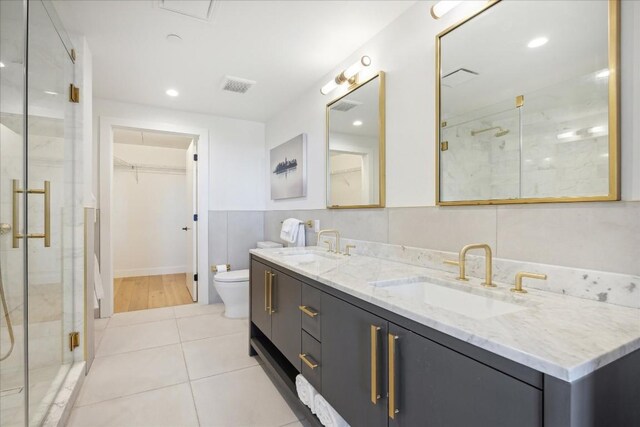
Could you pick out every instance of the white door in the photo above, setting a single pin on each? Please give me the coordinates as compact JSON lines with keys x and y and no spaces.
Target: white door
{"x":192,"y":224}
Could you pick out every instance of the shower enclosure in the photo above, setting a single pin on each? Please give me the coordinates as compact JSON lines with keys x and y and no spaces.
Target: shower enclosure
{"x":41,"y":221}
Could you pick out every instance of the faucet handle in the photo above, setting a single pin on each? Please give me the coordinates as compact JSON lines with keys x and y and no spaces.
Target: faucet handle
{"x":520,"y":275}
{"x":329,"y":243}
{"x":348,"y":248}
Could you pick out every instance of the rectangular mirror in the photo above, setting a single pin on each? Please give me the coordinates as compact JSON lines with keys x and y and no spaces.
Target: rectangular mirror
{"x":527,"y":104}
{"x":355,"y":147}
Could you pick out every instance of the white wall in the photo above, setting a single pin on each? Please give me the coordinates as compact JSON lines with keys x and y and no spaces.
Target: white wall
{"x":148,"y":213}
{"x":236,"y":150}
{"x":405,"y":50}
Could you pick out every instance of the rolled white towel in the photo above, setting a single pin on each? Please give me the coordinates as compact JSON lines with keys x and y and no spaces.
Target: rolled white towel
{"x":302,"y":387}
{"x":327,"y":415}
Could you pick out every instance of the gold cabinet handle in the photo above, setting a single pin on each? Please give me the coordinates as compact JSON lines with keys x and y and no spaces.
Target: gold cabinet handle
{"x":308,"y":310}
{"x":266,"y":291}
{"x":375,"y":330}
{"x":308,"y":360}
{"x":272,"y":276}
{"x":47,"y":214}
{"x":393,"y":410}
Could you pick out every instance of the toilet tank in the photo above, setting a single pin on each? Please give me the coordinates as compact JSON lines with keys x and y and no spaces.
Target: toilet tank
{"x":268,"y":244}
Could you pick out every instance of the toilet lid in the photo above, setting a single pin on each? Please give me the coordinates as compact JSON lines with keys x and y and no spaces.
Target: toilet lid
{"x":233,"y":276}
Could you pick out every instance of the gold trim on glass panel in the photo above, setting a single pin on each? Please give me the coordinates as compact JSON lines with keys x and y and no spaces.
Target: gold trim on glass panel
{"x":381,"y":146}
{"x":614,"y":119}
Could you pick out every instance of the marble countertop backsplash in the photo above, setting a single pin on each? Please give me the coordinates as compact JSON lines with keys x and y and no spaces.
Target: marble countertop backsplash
{"x":570,"y":325}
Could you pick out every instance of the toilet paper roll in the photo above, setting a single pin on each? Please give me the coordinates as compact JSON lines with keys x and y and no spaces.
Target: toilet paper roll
{"x":222,"y":267}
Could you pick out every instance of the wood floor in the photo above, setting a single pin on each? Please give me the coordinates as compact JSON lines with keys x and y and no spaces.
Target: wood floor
{"x":140,"y":293}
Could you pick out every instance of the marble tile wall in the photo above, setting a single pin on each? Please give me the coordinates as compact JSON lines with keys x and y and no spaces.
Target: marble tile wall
{"x":231,"y":235}
{"x":595,"y":236}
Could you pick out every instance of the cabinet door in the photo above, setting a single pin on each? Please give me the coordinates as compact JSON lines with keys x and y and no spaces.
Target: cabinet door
{"x":259,"y":314}
{"x":285,"y":317}
{"x":437,"y":387}
{"x":352,"y":368}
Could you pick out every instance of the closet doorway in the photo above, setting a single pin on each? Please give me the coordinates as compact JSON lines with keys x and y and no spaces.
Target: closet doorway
{"x":154,"y":227}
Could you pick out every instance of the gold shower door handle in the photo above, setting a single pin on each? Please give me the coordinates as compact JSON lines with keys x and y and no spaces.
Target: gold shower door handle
{"x":47,"y":214}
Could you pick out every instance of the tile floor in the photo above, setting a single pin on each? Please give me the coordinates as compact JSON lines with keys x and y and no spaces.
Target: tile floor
{"x":177,"y":366}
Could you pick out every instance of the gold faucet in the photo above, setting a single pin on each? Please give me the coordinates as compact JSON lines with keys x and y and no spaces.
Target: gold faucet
{"x":337,"y":234}
{"x":520,"y":275}
{"x":461,"y":263}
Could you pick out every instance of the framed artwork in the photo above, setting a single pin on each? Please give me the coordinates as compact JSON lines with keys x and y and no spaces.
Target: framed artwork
{"x":288,"y":169}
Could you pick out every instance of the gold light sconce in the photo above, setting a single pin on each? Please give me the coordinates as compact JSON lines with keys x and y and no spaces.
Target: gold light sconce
{"x":350,"y":75}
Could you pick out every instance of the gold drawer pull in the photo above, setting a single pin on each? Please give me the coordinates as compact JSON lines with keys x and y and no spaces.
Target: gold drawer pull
{"x":266,"y":291}
{"x":308,"y":310}
{"x":308,"y":361}
{"x":393,"y":407}
{"x":374,"y":364}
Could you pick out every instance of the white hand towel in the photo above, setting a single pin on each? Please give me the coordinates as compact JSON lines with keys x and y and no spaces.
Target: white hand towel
{"x":300,"y":239}
{"x":327,"y":415}
{"x":290,"y":229}
{"x":306,"y":392}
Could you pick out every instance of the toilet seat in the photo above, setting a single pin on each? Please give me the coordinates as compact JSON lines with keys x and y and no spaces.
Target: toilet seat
{"x":232,"y":276}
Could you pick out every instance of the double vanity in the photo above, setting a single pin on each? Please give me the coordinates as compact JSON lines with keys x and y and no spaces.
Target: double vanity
{"x":390,"y":343}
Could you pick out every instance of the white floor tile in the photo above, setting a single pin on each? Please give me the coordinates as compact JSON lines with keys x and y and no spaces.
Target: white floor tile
{"x":241,"y":398}
{"x":188,"y":310}
{"x":128,"y":373}
{"x":141,"y":316}
{"x":170,"y":406}
{"x":209,"y":325}
{"x":212,"y":356}
{"x":138,"y":337}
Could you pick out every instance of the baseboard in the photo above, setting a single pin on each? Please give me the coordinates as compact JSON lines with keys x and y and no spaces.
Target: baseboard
{"x":153,"y":271}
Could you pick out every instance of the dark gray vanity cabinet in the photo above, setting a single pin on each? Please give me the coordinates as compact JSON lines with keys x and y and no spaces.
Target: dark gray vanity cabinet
{"x":432,"y":385}
{"x":260,"y":315}
{"x":353,"y":362}
{"x":275,"y":300}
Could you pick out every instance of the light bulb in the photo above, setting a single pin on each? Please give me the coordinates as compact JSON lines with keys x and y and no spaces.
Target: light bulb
{"x":354,"y":69}
{"x":328,"y":87}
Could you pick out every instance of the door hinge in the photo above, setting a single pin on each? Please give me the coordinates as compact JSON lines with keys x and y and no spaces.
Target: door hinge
{"x":195,"y":157}
{"x":195,"y":217}
{"x":519,"y":101}
{"x":74,"y":93}
{"x":444,"y":145}
{"x":74,"y":340}
{"x":195,"y":277}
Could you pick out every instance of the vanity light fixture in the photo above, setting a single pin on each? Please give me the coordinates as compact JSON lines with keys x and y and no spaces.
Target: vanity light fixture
{"x":537,"y":42}
{"x":443,"y":7}
{"x":357,"y":123}
{"x":602,"y":74}
{"x":172,"y":92}
{"x":348,"y":75}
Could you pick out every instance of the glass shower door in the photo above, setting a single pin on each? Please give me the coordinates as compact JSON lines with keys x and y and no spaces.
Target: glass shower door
{"x":12,"y":259}
{"x":50,"y":209}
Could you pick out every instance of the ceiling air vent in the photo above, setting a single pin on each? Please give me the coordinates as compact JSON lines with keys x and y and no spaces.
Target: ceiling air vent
{"x":345,"y":105}
{"x":236,"y":84}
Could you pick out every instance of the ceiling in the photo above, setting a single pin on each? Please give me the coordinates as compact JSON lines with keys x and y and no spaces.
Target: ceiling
{"x":285,"y":46}
{"x":151,"y":139}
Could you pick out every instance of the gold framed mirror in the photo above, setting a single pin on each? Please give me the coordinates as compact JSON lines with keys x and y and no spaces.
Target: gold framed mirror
{"x":355,"y":133}
{"x":527,"y":104}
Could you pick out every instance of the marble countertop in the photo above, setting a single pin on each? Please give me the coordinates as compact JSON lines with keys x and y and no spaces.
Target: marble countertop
{"x":562,"y":336}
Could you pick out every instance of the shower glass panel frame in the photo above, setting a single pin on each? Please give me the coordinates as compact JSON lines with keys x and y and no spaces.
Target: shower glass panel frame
{"x":40,"y":210}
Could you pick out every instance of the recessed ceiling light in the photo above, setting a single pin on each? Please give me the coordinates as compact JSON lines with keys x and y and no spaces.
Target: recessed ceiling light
{"x":537,"y":42}
{"x":1,"y":64}
{"x":357,"y":123}
{"x":602,"y":74}
{"x":174,"y":38}
{"x":172,"y":92}
{"x":50,"y":92}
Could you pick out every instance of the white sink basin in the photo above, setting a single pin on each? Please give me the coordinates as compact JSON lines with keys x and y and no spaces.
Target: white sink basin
{"x":419,"y":289}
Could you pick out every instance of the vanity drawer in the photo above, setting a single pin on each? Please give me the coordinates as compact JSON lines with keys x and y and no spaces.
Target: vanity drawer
{"x":310,"y":310}
{"x":311,"y":357}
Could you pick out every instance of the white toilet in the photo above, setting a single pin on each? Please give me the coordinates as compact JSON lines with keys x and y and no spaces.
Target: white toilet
{"x":233,"y":287}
